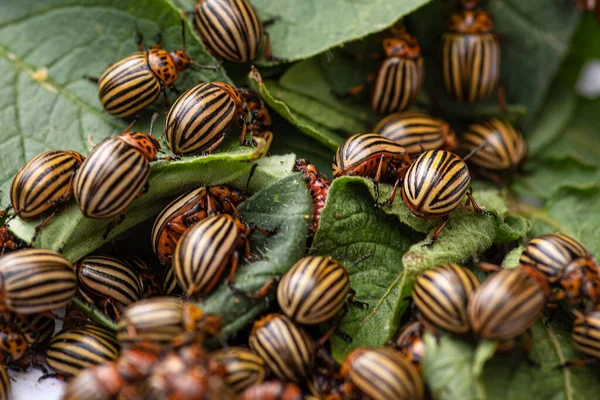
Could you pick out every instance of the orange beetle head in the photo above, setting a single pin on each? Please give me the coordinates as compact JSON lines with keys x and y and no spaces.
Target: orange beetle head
{"x":181,"y":59}
{"x":402,"y":45}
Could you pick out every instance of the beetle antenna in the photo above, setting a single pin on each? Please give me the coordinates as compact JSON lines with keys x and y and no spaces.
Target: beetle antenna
{"x":355,"y":263}
{"x":152,"y":121}
{"x":183,"y":35}
{"x":211,"y":67}
{"x":252,"y":170}
{"x":475,"y":150}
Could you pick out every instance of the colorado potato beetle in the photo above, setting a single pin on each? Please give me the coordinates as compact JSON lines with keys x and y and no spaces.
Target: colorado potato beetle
{"x":169,"y":283}
{"x":496,"y":146}
{"x":19,"y":334}
{"x":435,"y":184}
{"x":506,"y":305}
{"x":286,"y":349}
{"x":187,"y":374}
{"x":442,"y":294}
{"x":187,"y":209}
{"x":243,"y":368}
{"x":586,"y":336}
{"x":381,"y":374}
{"x":73,"y":350}
{"x":114,"y":174}
{"x":165,"y":320}
{"x":470,"y":54}
{"x":260,"y":123}
{"x":566,"y":265}
{"x":371,"y":155}
{"x":8,"y":240}
{"x":206,"y":249}
{"x":273,"y":390}
{"x":136,"y":81}
{"x":34,"y":281}
{"x":410,"y":343}
{"x":400,"y":76}
{"x":417,"y":132}
{"x":101,"y":382}
{"x":44,"y":183}
{"x":314,"y":290}
{"x":108,"y":283}
{"x":196,"y":122}
{"x":230,"y":29}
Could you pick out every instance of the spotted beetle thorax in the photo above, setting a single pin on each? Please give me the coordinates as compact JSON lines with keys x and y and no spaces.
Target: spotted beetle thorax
{"x":163,"y":65}
{"x":470,"y":22}
{"x":143,"y":142}
{"x":405,"y":46}
{"x":181,"y":59}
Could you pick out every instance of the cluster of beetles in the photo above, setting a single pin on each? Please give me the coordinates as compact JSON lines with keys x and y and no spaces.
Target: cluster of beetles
{"x":164,"y":344}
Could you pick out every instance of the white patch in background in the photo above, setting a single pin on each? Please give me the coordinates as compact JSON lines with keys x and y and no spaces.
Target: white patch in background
{"x":25,"y":386}
{"x":588,"y":84}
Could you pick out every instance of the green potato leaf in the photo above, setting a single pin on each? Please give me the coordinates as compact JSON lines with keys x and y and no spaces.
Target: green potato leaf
{"x":283,"y":205}
{"x":46,"y":48}
{"x":79,"y":235}
{"x":352,"y":227}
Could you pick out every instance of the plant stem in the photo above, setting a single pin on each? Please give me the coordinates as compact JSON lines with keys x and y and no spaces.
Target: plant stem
{"x":93,"y":314}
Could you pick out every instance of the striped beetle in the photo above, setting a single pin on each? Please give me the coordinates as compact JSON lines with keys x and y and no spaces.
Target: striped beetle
{"x":470,"y":54}
{"x":114,"y":174}
{"x":273,"y":390}
{"x":4,"y":384}
{"x":187,"y":209}
{"x":371,"y":155}
{"x":198,"y":118}
{"x":243,"y":367}
{"x":108,"y":282}
{"x":318,"y":186}
{"x":73,"y":350}
{"x":148,"y":277}
{"x":188,"y":373}
{"x":206,"y":249}
{"x":101,"y":382}
{"x":260,"y":123}
{"x":506,"y":305}
{"x":315,"y":290}
{"x":380,"y":373}
{"x":410,"y":343}
{"x":169,"y":283}
{"x":286,"y":349}
{"x":434,"y":185}
{"x":34,"y":281}
{"x":400,"y":77}
{"x":21,"y":333}
{"x":136,"y":81}
{"x":566,"y":265}
{"x":230,"y":29}
{"x":586,"y":336}
{"x":496,"y":146}
{"x":165,"y":320}
{"x":442,"y":294}
{"x":44,"y":183}
{"x":417,"y":132}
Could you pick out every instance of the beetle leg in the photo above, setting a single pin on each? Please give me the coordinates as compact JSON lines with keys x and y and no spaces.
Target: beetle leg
{"x":214,"y":145}
{"x":476,"y":206}
{"x":113,"y":224}
{"x":92,"y":79}
{"x":501,"y":93}
{"x":577,"y":363}
{"x":437,"y":232}
{"x":335,"y":326}
{"x":359,"y":304}
{"x":391,"y":197}
{"x":43,"y":224}
{"x":488,"y":267}
{"x":139,"y":40}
